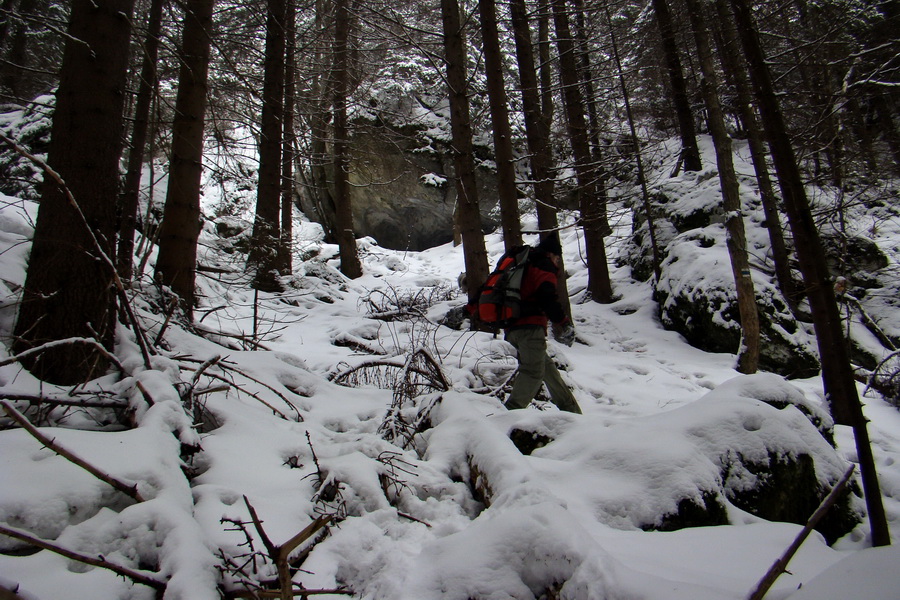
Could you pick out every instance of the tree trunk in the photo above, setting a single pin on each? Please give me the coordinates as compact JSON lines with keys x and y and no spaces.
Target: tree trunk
{"x":285,"y":246}
{"x":12,"y":66}
{"x":586,"y":74}
{"x":735,"y":70}
{"x":176,"y":264}
{"x":537,"y":133}
{"x":318,"y":117}
{"x":350,"y":265}
{"x":736,"y":239}
{"x":461,"y":131}
{"x":642,"y":178}
{"x":263,"y":256}
{"x":837,"y":373}
{"x":503,"y":149}
{"x":592,"y":196}
{"x":69,"y":284}
{"x":690,"y":152}
{"x":131,"y":194}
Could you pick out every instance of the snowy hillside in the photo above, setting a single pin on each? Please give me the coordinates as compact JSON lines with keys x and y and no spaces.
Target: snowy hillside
{"x":413,"y":492}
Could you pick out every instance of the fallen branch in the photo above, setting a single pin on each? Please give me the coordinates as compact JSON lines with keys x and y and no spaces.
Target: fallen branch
{"x":128,"y":490}
{"x":65,"y":401}
{"x":293,"y":592}
{"x":780,"y":565}
{"x":72,"y":340}
{"x":135,"y":576}
{"x":870,"y":323}
{"x":226,"y":367}
{"x":280,"y":554}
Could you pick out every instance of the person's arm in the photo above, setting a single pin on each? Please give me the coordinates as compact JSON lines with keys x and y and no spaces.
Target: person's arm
{"x":546,"y":293}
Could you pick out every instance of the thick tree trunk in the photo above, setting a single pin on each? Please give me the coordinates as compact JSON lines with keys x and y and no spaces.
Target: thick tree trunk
{"x":837,"y":373}
{"x":285,"y":245}
{"x":690,"y":152}
{"x":176,"y":264}
{"x":469,"y":219}
{"x":536,"y":132}
{"x":735,"y":70}
{"x":592,"y":196}
{"x":263,"y":257}
{"x":735,"y":238}
{"x":69,"y":285}
{"x":132,"y":188}
{"x":503,"y":148}
{"x":350,"y":265}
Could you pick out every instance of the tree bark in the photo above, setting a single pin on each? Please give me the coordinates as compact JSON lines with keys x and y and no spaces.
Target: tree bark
{"x":263,"y":256}
{"x":837,"y":373}
{"x":350,"y":265}
{"x":735,"y":239}
{"x":690,"y":152}
{"x":730,"y":54}
{"x":68,"y":288}
{"x":469,"y":219}
{"x":642,"y":178}
{"x":592,"y":196}
{"x":537,"y":132}
{"x":285,"y":246}
{"x":503,"y":148}
{"x":132,"y":188}
{"x":176,"y":264}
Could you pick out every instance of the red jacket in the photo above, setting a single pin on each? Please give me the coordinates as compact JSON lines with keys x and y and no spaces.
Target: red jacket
{"x":540,"y":301}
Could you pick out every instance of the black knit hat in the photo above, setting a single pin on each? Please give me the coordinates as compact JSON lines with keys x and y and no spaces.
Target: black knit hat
{"x":550,"y":244}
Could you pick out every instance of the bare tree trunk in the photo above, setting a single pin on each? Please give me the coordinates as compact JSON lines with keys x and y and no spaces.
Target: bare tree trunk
{"x":319,"y":116}
{"x":68,"y":287}
{"x":503,"y":149}
{"x":285,"y":246}
{"x":350,"y":265}
{"x":545,"y":69}
{"x":642,"y":178}
{"x":586,"y":74}
{"x":735,"y":239}
{"x":592,"y":197}
{"x":690,"y":152}
{"x":131,"y":194}
{"x":733,"y":68}
{"x":837,"y":373}
{"x":263,"y":256}
{"x":537,"y":131}
{"x":469,"y":220}
{"x":176,"y":264}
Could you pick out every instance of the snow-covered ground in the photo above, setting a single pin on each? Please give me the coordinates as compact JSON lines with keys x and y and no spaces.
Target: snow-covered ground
{"x":286,"y":440}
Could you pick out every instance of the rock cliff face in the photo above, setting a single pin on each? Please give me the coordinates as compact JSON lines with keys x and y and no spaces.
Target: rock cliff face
{"x":402,"y":189}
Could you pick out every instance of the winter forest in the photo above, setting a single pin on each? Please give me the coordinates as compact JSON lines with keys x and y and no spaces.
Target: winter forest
{"x":237,"y":239}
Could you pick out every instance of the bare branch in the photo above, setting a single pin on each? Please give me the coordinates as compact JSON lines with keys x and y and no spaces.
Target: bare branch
{"x":128,"y":490}
{"x":780,"y":565}
{"x":73,"y":340}
{"x":135,"y":576}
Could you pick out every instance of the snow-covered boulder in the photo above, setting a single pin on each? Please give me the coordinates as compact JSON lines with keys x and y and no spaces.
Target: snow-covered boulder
{"x":710,"y":462}
{"x":696,"y":291}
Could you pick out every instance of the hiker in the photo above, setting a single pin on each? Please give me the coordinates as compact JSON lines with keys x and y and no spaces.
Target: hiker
{"x":528,"y":333}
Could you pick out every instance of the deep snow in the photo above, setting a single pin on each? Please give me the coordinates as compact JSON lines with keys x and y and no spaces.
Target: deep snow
{"x":657,"y":412}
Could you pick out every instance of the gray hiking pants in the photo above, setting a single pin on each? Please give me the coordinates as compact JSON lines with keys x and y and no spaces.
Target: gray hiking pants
{"x":535,"y":368}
